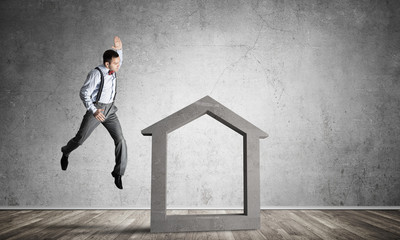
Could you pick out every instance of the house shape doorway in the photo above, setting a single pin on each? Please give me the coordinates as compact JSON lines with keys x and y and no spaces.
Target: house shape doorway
{"x":250,"y":219}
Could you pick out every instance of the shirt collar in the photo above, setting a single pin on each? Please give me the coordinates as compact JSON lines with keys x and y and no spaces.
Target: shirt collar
{"x":103,"y":69}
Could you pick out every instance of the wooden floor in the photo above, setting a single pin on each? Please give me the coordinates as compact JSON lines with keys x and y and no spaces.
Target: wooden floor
{"x":135,"y":224}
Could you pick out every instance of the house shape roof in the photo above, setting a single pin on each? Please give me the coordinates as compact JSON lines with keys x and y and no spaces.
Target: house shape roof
{"x":160,"y":221}
{"x":206,"y":105}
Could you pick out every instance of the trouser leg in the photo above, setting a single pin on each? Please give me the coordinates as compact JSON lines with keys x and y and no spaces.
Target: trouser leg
{"x":114,"y":128}
{"x":89,"y":123}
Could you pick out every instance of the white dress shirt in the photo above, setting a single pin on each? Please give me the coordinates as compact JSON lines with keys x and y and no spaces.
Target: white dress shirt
{"x":91,"y":87}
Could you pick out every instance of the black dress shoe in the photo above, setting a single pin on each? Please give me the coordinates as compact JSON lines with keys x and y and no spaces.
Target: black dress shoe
{"x":64,"y":162}
{"x":117,"y":180}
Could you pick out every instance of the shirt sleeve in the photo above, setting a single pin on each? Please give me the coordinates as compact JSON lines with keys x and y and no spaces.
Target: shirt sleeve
{"x":88,"y":88}
{"x":120,"y":56}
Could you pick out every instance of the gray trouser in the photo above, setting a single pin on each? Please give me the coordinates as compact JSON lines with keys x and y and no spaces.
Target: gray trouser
{"x":111,"y":123}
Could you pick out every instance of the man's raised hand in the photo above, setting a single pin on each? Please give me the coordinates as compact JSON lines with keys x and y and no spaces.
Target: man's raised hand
{"x":117,"y":43}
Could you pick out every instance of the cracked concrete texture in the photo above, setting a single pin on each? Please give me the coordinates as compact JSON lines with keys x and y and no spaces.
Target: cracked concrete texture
{"x":321,"y":77}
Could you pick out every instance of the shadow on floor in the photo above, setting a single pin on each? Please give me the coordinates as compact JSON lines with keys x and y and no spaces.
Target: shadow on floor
{"x":106,"y":229}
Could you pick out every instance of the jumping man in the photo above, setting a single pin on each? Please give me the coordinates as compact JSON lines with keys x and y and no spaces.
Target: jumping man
{"x":98,"y":95}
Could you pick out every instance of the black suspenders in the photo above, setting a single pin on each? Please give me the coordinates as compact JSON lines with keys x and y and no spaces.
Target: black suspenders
{"x":115,"y":94}
{"x":102,"y":85}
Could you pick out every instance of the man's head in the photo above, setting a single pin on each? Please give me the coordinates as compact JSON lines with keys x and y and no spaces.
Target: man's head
{"x":111,"y":60}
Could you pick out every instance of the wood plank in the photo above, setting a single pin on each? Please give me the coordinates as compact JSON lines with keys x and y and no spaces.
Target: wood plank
{"x":13,"y":230}
{"x":82,"y":230}
{"x":347,"y":227}
{"x":323,"y":219}
{"x":295,"y":229}
{"x":115,"y":220}
{"x":140,"y":225}
{"x":319,"y":229}
{"x":35,"y":225}
{"x":270,"y":227}
{"x":12,"y":220}
{"x":44,"y":227}
{"x":64,"y":227}
{"x":386,"y":227}
{"x":225,"y":235}
{"x":203,"y":235}
{"x":143,"y":229}
{"x":391,"y":214}
{"x":292,"y":228}
{"x":354,"y":224}
{"x":379,"y":218}
{"x":11,"y":214}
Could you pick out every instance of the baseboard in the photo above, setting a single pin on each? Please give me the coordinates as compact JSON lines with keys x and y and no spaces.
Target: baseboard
{"x":331,"y":208}
{"x":262,"y":208}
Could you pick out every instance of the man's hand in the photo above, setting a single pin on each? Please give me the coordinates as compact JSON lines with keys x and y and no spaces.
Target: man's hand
{"x":117,"y":43}
{"x":99,"y":115}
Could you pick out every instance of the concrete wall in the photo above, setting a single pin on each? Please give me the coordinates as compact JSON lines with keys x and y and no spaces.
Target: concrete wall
{"x":320,"y":77}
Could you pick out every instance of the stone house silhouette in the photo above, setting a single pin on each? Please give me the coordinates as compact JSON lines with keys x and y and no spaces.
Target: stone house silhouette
{"x":250,"y":219}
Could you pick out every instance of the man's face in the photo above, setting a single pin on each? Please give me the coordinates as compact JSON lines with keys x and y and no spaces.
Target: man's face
{"x":114,"y":66}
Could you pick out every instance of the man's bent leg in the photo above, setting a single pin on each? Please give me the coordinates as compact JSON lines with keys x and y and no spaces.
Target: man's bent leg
{"x":89,"y":123}
{"x":114,"y":128}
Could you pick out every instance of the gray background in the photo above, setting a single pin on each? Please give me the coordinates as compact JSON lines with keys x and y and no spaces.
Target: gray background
{"x":320,"y":77}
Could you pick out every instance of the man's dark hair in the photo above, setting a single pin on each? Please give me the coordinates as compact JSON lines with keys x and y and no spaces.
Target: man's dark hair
{"x":109,"y":55}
